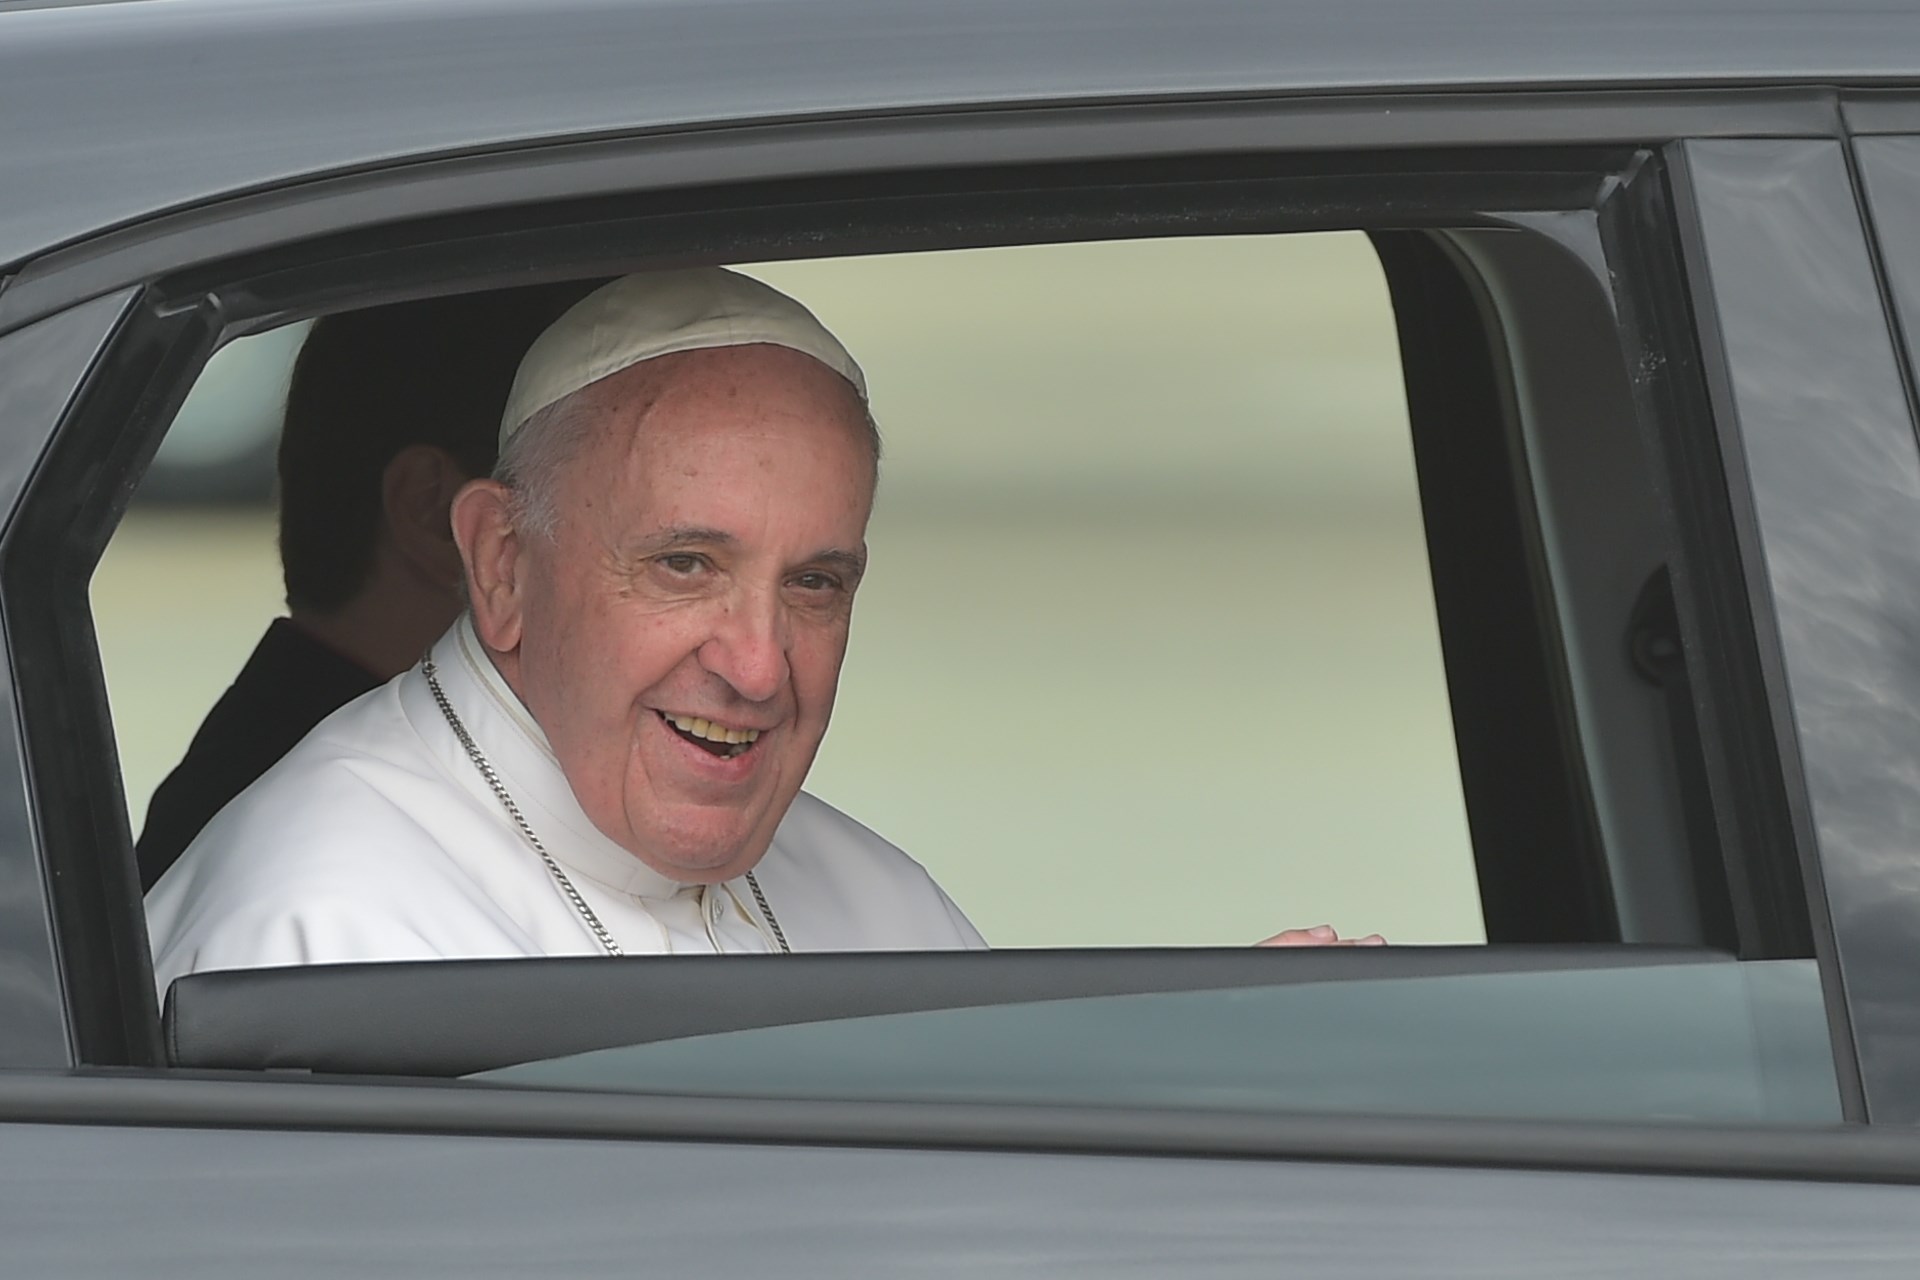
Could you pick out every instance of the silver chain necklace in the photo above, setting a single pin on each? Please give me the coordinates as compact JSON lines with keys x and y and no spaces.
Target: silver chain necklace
{"x":567,"y":890}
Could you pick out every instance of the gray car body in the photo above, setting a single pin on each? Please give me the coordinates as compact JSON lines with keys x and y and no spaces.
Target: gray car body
{"x":149,"y":136}
{"x":124,"y":110}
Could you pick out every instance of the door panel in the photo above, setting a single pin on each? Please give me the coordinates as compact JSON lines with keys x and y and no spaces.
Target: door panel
{"x":78,"y":1201}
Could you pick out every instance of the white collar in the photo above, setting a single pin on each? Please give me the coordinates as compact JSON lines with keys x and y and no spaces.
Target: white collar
{"x":518,"y":750}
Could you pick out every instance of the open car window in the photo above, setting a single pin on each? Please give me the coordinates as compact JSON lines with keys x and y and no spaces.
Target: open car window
{"x":1146,"y":653}
{"x":1226,"y":582}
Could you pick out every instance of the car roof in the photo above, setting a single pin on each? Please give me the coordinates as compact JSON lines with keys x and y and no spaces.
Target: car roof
{"x":133,"y":108}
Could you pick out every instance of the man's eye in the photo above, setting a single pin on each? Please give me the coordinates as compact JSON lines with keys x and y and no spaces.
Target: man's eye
{"x":817,"y":582}
{"x":680,"y":563}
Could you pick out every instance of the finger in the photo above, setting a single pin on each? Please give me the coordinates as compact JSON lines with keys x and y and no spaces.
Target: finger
{"x":1292,"y":938}
{"x":1319,"y":936}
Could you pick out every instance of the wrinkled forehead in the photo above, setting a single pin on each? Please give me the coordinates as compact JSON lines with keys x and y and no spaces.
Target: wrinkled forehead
{"x":709,"y":398}
{"x":671,"y":402}
{"x":759,"y":420}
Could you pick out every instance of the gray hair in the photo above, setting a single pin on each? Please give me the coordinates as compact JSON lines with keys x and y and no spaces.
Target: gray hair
{"x":534,"y":456}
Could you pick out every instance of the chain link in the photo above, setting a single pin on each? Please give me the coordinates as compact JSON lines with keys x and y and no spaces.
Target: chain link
{"x":766,"y":912}
{"x":560,"y":878}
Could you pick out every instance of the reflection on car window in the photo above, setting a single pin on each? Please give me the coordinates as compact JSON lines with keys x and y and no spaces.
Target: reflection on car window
{"x":220,"y":447}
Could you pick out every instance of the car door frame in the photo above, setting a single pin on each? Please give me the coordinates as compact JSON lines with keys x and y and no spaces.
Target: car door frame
{"x":189,"y":249}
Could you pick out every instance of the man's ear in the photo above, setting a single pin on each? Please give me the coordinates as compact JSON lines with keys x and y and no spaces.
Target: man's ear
{"x":491,"y":551}
{"x":416,"y":490}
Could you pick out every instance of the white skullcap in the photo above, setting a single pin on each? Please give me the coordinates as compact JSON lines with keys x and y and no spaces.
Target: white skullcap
{"x":639,"y":317}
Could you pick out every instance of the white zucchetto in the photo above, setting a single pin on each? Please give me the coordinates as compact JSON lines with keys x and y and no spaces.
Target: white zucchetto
{"x":640,"y":317}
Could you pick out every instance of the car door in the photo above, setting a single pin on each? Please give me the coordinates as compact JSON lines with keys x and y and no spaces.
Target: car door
{"x":1663,"y":289}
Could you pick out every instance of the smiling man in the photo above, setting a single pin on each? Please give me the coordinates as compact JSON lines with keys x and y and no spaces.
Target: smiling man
{"x":606,"y":753}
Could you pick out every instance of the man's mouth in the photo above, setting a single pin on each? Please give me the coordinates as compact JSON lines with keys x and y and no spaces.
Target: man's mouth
{"x":711,"y":736}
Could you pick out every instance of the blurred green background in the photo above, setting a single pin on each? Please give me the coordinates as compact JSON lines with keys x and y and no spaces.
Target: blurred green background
{"x":1147,"y":652}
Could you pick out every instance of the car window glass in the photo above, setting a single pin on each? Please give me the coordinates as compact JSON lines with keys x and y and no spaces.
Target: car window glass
{"x":1712,"y":1042}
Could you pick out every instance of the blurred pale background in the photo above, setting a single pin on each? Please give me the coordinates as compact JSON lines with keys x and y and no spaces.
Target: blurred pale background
{"x":1147,"y":651}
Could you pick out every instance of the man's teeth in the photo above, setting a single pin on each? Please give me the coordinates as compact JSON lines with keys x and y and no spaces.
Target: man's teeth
{"x":712,"y":732}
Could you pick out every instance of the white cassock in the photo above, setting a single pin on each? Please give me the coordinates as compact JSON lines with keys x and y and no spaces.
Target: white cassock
{"x":377,"y":839}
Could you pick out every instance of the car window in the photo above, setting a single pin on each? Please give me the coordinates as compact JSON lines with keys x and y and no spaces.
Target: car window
{"x":219,"y":449}
{"x":1708,"y":1042}
{"x":1219,"y":585}
{"x":1147,"y":652}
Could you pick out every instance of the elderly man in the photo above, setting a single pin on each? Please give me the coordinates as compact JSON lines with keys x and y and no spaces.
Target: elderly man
{"x":606,"y":753}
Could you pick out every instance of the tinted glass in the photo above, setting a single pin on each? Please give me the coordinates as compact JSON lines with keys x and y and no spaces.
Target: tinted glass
{"x":1715,"y":1041}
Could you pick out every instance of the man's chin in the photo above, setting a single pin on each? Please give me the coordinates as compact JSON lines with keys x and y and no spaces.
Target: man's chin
{"x":695,"y":857}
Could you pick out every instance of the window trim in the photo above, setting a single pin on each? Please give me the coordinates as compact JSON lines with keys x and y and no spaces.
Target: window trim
{"x":1829,"y":529}
{"x":1537,"y":850}
{"x":369,"y":1105}
{"x":43,"y":369}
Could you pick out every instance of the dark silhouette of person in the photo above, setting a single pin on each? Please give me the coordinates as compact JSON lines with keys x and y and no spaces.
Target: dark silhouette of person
{"x":389,"y":411}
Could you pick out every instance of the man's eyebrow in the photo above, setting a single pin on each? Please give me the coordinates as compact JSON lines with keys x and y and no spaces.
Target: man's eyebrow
{"x":852,"y":563}
{"x":683,"y":536}
{"x":680,"y":536}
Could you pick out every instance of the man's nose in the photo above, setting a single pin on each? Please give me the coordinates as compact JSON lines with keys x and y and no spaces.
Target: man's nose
{"x":748,"y":648}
